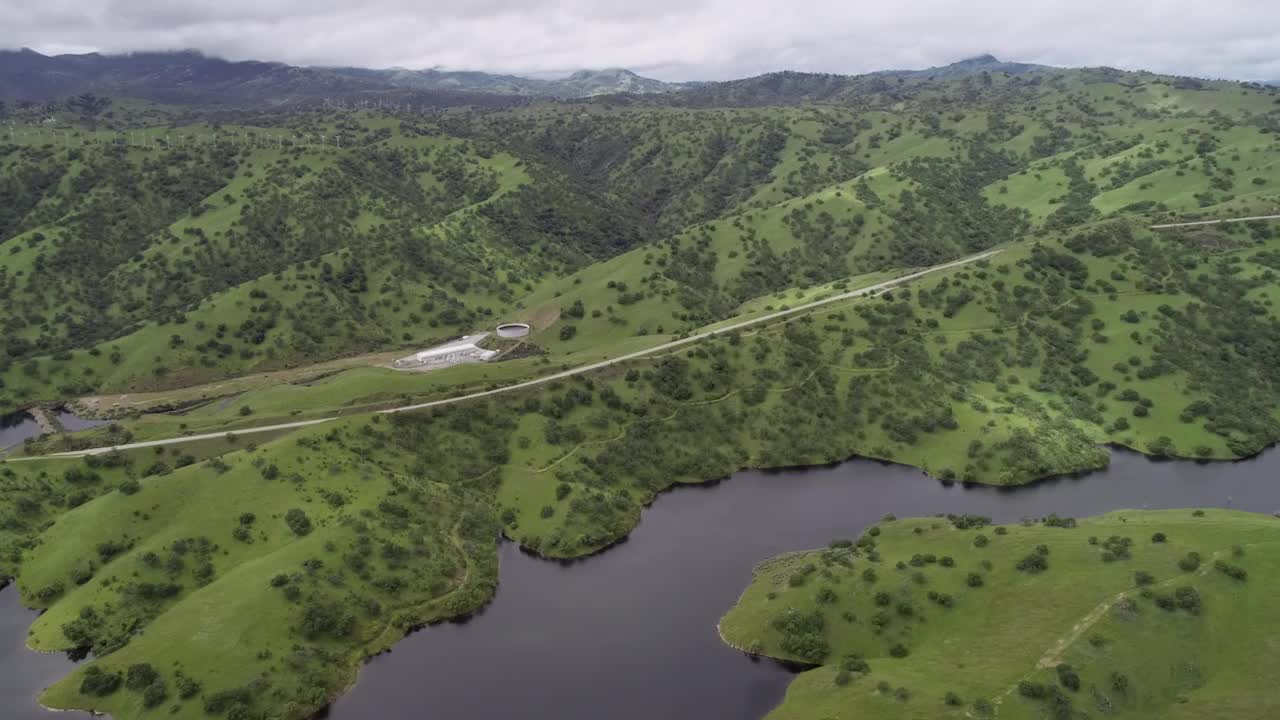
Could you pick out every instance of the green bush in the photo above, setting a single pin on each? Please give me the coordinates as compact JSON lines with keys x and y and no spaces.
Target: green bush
{"x":1188,"y":599}
{"x":1190,"y":562}
{"x":99,"y":683}
{"x":802,"y":635}
{"x":298,"y":522}
{"x":1034,"y":563}
{"x":855,"y":663}
{"x":139,"y":676}
{"x":155,"y":694}
{"x":1232,"y":571}
{"x":1068,"y":678}
{"x":187,"y":687}
{"x":1033,"y":690}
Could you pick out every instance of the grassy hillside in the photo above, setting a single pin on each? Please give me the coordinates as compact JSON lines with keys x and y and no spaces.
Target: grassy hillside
{"x":192,"y":250}
{"x":1128,"y":615}
{"x":979,"y":373}
{"x":1001,"y":372}
{"x":252,"y":268}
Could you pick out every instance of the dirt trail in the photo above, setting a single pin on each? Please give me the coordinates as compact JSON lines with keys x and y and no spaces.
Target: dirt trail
{"x":122,"y":403}
{"x":1053,"y":655}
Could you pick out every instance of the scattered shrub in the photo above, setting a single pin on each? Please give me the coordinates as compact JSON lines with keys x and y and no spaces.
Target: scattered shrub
{"x":1190,"y":562}
{"x":139,"y":676}
{"x":802,"y":635}
{"x":1033,"y":563}
{"x":1033,"y":690}
{"x":1232,"y":571}
{"x":1188,"y":599}
{"x":155,"y":694}
{"x":1068,"y":678}
{"x":99,"y":682}
{"x":298,"y":522}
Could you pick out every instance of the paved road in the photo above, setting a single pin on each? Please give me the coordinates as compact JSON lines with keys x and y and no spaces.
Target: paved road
{"x":869,"y":290}
{"x":1214,"y":222}
{"x":172,"y":441}
{"x":860,"y":292}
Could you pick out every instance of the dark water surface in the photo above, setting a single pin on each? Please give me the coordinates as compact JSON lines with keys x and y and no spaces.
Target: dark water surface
{"x":16,"y":427}
{"x":72,"y":423}
{"x":24,"y":673}
{"x":631,"y":633}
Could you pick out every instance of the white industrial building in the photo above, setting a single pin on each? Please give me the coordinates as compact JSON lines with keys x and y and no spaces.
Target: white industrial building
{"x":463,"y":350}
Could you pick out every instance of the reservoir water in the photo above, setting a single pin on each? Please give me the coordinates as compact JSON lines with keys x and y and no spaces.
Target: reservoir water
{"x":24,"y":673}
{"x":631,"y":633}
{"x":16,"y":427}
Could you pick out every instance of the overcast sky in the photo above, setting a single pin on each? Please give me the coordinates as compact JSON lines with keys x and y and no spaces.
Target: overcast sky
{"x":671,"y":39}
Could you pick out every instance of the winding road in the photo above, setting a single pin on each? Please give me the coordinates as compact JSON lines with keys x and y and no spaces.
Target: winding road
{"x":868,"y":291}
{"x":1166,"y":226}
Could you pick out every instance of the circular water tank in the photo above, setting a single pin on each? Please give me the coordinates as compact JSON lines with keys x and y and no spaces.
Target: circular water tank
{"x":513,"y":330}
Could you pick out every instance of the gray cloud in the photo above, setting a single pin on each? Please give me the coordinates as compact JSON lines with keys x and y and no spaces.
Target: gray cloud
{"x":671,"y":39}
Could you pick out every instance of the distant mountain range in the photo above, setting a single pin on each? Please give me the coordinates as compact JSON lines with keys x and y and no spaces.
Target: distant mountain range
{"x":194,"y":78}
{"x":976,"y":64}
{"x":584,"y":83}
{"x":167,"y":77}
{"x":190,"y":76}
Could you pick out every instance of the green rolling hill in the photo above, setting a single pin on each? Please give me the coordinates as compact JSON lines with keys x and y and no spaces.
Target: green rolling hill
{"x":250,"y":264}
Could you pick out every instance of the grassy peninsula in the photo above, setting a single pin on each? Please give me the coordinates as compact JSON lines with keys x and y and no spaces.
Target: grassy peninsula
{"x":1133,"y":614}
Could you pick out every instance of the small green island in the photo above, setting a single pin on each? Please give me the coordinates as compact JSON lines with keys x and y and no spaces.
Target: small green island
{"x":1130,"y":614}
